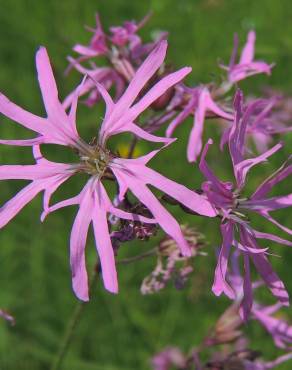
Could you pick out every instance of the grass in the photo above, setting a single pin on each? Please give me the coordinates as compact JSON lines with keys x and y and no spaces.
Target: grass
{"x":120,"y":332}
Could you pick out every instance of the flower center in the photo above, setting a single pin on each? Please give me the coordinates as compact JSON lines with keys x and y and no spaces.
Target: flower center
{"x":95,"y":161}
{"x":228,"y":203}
{"x":236,"y":210}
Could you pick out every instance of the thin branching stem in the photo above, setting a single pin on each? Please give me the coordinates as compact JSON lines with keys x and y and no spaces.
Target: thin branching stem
{"x":79,"y":309}
{"x":132,"y":147}
{"x":71,"y":326}
{"x":139,"y":257}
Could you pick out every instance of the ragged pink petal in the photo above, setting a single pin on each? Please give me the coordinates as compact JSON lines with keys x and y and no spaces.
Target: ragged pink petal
{"x":142,"y":134}
{"x":195,"y":139}
{"x":21,"y":116}
{"x":247,"y":53}
{"x":11,"y":208}
{"x":269,"y":204}
{"x":143,"y":74}
{"x":104,"y":76}
{"x":64,"y":203}
{"x":205,"y":103}
{"x":266,"y":214}
{"x":86,"y":51}
{"x":45,"y":175}
{"x":55,"y":183}
{"x":78,"y":242}
{"x":242,"y":168}
{"x":188,"y":198}
{"x":264,"y":268}
{"x":162,"y":216}
{"x":123,"y":112}
{"x":57,"y":116}
{"x":246,"y":65}
{"x":58,"y":128}
{"x":284,"y":171}
{"x":94,"y":204}
{"x":271,"y":279}
{"x":279,"y":329}
{"x":158,"y":90}
{"x":246,"y":304}
{"x":238,"y":131}
{"x":103,"y":241}
{"x":274,"y":238}
{"x":208,"y":173}
{"x":240,"y":72}
{"x":26,"y":142}
{"x":220,"y":284}
{"x":131,"y":216}
{"x":181,"y":116}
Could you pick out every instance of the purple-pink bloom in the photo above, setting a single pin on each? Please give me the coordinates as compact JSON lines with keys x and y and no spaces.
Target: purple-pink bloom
{"x":106,"y":76}
{"x":279,"y":329}
{"x":246,"y":65}
{"x":123,"y":50}
{"x":122,"y":35}
{"x":266,"y":119}
{"x":97,"y":45}
{"x":199,"y":104}
{"x":59,"y":127}
{"x":227,"y":199}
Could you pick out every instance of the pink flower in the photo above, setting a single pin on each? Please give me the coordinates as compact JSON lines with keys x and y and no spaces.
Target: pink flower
{"x":123,"y":50}
{"x":125,"y":37}
{"x":228,"y":201}
{"x":199,"y":104}
{"x":98,"y":162}
{"x":122,"y":35}
{"x":97,"y":45}
{"x":279,"y":329}
{"x":246,"y":66}
{"x":106,"y":76}
{"x":266,"y":118}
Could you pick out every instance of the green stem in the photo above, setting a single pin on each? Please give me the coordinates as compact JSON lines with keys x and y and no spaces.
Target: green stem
{"x":72,"y":324}
{"x":68,"y":336}
{"x":139,"y":257}
{"x":76,"y":315}
{"x":132,"y":147}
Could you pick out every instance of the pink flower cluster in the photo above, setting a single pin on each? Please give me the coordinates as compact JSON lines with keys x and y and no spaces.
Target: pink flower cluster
{"x":230,"y":203}
{"x":146,"y":87}
{"x":123,"y":50}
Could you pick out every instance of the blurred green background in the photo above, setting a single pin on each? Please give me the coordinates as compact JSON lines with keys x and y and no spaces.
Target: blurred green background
{"x":121,"y":332}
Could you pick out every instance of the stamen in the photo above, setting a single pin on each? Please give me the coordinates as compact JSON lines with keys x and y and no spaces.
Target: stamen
{"x":95,"y":161}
